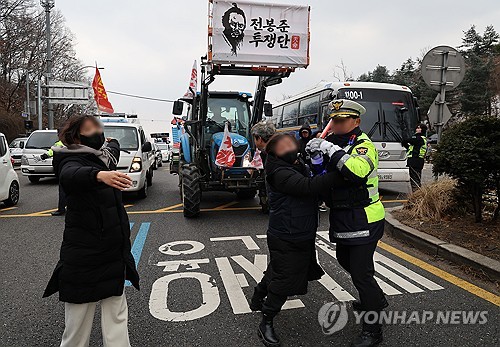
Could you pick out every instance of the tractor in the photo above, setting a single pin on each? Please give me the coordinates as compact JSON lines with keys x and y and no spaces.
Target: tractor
{"x":207,"y":115}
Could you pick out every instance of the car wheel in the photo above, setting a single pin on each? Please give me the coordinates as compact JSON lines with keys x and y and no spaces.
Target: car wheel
{"x":13,"y":198}
{"x":143,"y":193}
{"x":34,"y":179}
{"x":149,"y":178}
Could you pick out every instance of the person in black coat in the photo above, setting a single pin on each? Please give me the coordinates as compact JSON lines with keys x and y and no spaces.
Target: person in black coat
{"x":305,"y":135}
{"x":293,"y":221}
{"x":95,"y":257}
{"x":417,"y":148}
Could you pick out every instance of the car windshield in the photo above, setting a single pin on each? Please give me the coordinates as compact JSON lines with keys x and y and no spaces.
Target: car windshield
{"x":42,"y":139}
{"x":126,"y":136}
{"x":234,"y":111}
{"x":17,"y":143}
{"x":162,"y":146}
{"x":390,"y":115}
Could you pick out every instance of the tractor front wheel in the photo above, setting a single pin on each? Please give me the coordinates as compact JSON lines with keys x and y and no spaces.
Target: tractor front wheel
{"x":190,"y":190}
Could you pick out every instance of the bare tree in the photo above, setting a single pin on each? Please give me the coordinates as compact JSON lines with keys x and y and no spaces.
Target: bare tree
{"x":342,"y":73}
{"x":22,"y":54}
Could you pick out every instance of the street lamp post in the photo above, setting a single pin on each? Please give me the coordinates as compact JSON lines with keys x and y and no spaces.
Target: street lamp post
{"x":48,"y":5}
{"x":86,"y":67}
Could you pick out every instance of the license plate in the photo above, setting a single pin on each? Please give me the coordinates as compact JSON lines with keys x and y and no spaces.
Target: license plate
{"x":385,"y":177}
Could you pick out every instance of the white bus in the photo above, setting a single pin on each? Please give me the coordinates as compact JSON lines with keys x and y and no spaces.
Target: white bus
{"x":391,"y":115}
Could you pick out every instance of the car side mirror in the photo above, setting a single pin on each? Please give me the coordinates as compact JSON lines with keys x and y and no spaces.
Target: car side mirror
{"x":146,"y":147}
{"x":268,"y":109}
{"x":21,"y":144}
{"x":177,"y":108}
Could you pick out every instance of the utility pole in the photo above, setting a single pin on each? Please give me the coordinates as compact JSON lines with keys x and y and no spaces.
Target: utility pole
{"x":48,"y":5}
{"x":28,"y":109}
{"x":39,"y":103}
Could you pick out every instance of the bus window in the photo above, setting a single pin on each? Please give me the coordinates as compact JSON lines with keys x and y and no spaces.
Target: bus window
{"x":308,"y":111}
{"x":290,"y":113}
{"x":277,"y":113}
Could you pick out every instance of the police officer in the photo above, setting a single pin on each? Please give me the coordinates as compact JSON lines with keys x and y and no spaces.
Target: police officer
{"x":356,"y":212}
{"x":417,"y":147}
{"x":61,"y":205}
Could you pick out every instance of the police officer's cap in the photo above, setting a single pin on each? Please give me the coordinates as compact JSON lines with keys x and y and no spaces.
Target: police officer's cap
{"x":343,"y":108}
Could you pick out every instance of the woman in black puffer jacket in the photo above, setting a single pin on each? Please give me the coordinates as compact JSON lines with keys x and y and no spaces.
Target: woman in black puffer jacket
{"x":95,"y":258}
{"x":293,"y":221}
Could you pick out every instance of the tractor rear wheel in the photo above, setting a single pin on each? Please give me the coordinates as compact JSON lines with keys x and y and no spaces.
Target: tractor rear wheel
{"x":190,"y":190}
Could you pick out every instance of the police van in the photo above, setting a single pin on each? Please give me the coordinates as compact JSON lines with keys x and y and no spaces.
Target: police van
{"x":137,"y":155}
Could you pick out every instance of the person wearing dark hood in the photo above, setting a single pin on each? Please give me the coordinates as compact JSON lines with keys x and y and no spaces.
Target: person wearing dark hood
{"x":417,"y":147}
{"x":293,"y":221}
{"x":305,"y":135}
{"x":356,"y":212}
{"x":95,"y":257}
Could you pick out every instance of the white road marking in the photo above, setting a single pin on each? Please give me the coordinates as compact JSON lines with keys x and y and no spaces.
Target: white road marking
{"x":195,"y":247}
{"x":173,"y":265}
{"x":159,"y":293}
{"x":236,"y":297}
{"x":247,"y":240}
{"x":421,"y":280}
{"x":398,"y":280}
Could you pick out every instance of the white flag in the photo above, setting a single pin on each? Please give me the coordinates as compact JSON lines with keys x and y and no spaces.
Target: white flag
{"x":193,"y":82}
{"x":225,"y":155}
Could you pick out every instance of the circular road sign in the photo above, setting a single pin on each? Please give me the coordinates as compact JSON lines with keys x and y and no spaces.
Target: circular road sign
{"x":439,"y":59}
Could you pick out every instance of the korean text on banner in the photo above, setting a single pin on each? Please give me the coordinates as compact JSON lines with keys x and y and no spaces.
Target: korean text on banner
{"x":260,"y":34}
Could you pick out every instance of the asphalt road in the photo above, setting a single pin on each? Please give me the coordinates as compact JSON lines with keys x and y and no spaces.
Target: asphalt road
{"x":197,"y":276}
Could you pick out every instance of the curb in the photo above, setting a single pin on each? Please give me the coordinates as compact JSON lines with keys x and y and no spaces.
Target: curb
{"x":435,"y":246}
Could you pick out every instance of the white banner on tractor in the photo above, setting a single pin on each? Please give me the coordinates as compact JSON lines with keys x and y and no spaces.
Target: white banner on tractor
{"x":258,"y":34}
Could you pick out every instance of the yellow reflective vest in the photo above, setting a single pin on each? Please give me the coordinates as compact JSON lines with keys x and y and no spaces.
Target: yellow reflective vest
{"x":361,"y":160}
{"x":50,"y":152}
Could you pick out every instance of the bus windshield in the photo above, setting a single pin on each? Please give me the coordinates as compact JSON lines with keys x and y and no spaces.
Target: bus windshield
{"x":234,"y":111}
{"x":390,"y":114}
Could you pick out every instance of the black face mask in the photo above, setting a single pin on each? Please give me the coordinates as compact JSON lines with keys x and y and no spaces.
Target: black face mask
{"x":94,"y":141}
{"x":290,"y":157}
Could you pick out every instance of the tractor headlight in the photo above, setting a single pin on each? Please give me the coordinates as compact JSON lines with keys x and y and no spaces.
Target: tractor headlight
{"x":136,"y":165}
{"x":24,"y":160}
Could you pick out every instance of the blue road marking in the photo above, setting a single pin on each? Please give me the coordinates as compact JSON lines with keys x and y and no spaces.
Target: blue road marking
{"x":140,"y":240}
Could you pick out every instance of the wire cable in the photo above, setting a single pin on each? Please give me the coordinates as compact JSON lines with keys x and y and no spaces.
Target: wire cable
{"x":139,"y":96}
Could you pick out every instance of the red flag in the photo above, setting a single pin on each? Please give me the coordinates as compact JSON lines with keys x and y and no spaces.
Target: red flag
{"x":193,"y":82}
{"x":257,"y":160}
{"x":225,"y":155}
{"x":100,"y":96}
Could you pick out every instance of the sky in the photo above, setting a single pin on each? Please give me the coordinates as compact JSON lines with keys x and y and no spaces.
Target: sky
{"x":148,"y":47}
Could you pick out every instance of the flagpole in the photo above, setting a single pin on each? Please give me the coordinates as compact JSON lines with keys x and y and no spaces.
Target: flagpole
{"x":97,"y":96}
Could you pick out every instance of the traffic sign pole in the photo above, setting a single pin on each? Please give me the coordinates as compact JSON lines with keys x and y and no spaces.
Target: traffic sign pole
{"x":443,"y":69}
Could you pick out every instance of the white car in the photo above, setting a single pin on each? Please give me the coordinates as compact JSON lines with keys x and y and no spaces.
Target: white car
{"x":39,"y":142}
{"x":136,"y":157}
{"x":16,"y":149}
{"x":9,"y":182}
{"x":166,"y":152}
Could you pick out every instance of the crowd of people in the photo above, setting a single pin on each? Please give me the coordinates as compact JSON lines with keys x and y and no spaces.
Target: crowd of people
{"x":339,"y":170}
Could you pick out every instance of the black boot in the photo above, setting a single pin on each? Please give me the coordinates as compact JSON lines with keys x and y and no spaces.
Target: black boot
{"x":357,"y":306}
{"x":58,"y":213}
{"x":257,"y":300}
{"x":367,"y":339}
{"x":266,"y":332}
